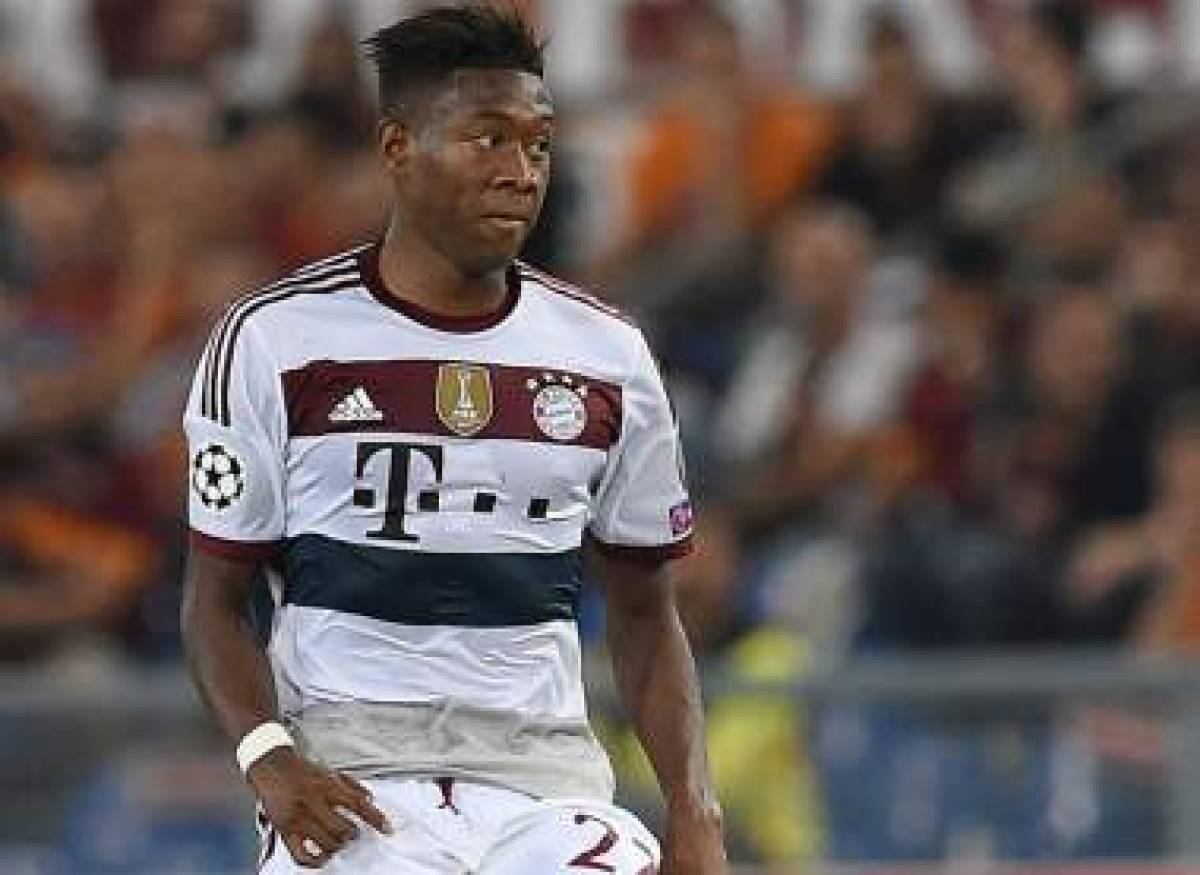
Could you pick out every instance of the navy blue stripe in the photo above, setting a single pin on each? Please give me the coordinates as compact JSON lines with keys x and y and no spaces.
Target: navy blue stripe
{"x":446,"y":589}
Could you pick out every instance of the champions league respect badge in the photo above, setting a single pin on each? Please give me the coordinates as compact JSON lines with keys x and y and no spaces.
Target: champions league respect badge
{"x":559,"y":408}
{"x":682,"y":519}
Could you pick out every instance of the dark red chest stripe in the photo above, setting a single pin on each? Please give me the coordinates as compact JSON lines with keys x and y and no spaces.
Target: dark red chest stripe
{"x":405,"y":395}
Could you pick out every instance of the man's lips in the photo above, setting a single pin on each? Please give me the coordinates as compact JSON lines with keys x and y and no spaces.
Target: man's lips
{"x":508,"y":223}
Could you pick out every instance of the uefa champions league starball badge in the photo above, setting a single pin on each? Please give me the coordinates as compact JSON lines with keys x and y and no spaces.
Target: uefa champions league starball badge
{"x":218,"y":477}
{"x":559,"y":406}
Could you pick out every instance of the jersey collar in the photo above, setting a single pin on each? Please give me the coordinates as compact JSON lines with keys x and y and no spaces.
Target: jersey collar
{"x":372,"y":278}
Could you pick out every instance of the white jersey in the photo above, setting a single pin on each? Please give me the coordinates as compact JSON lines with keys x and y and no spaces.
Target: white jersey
{"x":420,"y":489}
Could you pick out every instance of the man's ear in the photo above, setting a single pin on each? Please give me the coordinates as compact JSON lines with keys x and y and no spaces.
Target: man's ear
{"x":395,"y":143}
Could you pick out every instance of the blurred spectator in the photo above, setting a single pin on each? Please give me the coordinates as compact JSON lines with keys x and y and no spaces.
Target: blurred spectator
{"x":1042,"y":59}
{"x":1158,"y":276}
{"x":901,"y":143}
{"x":108,"y":254}
{"x":330,"y":94}
{"x":718,"y":156}
{"x":47,"y":48}
{"x":965,"y":316}
{"x":942,"y":574}
{"x":1147,"y":572}
{"x":278,"y":168}
{"x":1077,"y":227}
{"x":822,"y":372}
{"x":1003,"y":481}
{"x":148,"y":39}
{"x":1073,"y":447}
{"x":935,"y":580}
{"x":1183,"y":178}
{"x":164,"y":61}
{"x":1044,"y":138}
{"x":143,"y":421}
{"x":24,"y":131}
{"x":64,"y":574}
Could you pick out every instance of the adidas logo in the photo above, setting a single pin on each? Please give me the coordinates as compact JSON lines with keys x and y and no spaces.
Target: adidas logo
{"x":356,"y":407}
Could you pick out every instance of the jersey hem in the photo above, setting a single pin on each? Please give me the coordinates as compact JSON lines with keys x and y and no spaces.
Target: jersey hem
{"x":223,"y":548}
{"x":654,"y":554}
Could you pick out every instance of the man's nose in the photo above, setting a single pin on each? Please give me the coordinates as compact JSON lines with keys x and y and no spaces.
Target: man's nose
{"x":520,"y":172}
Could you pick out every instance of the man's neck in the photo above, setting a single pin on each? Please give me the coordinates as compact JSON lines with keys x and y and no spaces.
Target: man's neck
{"x":419,"y":274}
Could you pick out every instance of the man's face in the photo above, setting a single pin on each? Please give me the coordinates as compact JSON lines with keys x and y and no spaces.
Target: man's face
{"x":1075,"y":350}
{"x":821,"y":259}
{"x":474,"y":164}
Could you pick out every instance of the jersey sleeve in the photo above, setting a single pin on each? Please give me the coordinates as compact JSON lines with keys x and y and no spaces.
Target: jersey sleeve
{"x":235,"y":434}
{"x":642,"y":509}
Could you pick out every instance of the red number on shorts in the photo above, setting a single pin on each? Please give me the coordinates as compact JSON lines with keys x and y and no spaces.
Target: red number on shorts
{"x":590,"y":859}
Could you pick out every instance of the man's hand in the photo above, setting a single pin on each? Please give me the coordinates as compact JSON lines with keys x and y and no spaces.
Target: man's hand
{"x":302,"y":801}
{"x":695,"y":842}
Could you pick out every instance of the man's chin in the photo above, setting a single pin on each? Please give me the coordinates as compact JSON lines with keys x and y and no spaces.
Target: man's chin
{"x":484,"y":263}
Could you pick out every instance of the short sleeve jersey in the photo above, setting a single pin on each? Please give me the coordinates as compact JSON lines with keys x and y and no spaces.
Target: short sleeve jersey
{"x":421,"y":487}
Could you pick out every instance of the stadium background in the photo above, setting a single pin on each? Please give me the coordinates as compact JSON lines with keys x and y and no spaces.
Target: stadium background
{"x":925,"y":281}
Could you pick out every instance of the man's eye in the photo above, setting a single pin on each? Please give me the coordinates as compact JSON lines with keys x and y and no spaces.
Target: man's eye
{"x":486,"y":141}
{"x":542,"y":149}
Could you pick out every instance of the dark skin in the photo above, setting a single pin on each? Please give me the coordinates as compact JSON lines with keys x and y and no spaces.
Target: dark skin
{"x":656,"y":677}
{"x":469,"y":162}
{"x":301,"y":799}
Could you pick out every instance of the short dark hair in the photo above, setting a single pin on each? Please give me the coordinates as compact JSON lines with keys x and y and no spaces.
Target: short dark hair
{"x":1067,"y":24}
{"x":887,"y":30}
{"x":427,"y":48}
{"x":970,"y":255}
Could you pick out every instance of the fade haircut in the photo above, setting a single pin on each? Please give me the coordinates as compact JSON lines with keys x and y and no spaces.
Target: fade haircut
{"x":427,"y":48}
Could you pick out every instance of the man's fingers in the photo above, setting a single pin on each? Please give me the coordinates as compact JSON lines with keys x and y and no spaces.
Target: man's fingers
{"x":307,"y":849}
{"x":368,"y":812}
{"x":335,"y":824}
{"x":354,"y":786}
{"x":357,"y":798}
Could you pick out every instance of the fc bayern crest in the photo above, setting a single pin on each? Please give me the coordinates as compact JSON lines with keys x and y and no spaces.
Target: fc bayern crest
{"x":217,"y":477}
{"x":559,"y":408}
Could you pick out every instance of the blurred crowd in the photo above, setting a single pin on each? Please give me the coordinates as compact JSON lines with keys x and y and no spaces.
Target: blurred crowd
{"x":934,"y":346}
{"x":936,"y":354}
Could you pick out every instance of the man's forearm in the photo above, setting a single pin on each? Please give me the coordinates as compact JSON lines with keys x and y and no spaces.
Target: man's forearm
{"x":656,"y":675}
{"x":226,"y":660}
{"x":305,"y":802}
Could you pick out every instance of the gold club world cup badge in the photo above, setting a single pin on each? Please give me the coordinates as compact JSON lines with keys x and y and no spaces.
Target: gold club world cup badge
{"x":559,"y":405}
{"x":464,"y":398}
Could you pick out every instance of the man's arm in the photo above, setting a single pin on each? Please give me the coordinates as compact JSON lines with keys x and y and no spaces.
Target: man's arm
{"x":656,"y":677}
{"x":227,"y":663}
{"x":234,"y":678}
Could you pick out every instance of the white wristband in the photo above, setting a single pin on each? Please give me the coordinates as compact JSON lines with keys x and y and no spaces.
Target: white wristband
{"x":260,"y":741}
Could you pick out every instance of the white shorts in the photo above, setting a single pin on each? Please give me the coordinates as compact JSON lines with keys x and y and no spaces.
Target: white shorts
{"x":458,"y":828}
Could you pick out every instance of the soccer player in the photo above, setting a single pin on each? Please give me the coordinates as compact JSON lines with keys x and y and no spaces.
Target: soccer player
{"x":416,"y":442}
